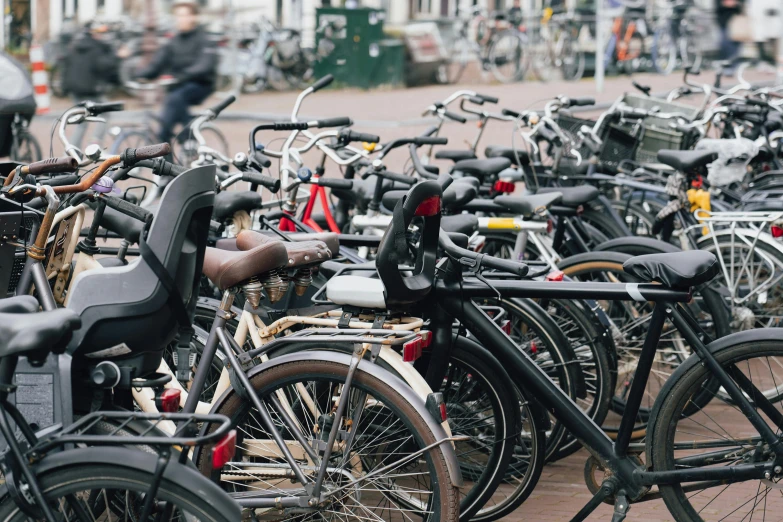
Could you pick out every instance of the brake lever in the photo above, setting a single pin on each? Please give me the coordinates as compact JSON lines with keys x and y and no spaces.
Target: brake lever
{"x":474,"y":266}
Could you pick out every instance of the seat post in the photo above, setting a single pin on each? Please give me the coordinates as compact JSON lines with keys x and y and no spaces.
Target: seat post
{"x":643,"y":367}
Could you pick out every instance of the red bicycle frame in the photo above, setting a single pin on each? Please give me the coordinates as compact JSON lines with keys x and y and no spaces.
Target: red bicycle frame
{"x":316,"y":192}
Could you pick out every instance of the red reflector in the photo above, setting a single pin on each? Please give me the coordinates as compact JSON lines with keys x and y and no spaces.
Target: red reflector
{"x":224,"y":450}
{"x":168,"y":401}
{"x":549,"y":226}
{"x":503,"y":187}
{"x":426,"y":338}
{"x":557,"y":275}
{"x":698,"y":182}
{"x":506,"y":327}
{"x":776,"y":231}
{"x":533,"y":347}
{"x":411,"y":350}
{"x":444,"y":416}
{"x":429,"y":207}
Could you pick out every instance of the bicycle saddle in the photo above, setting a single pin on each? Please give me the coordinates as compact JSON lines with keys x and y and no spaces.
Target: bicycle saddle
{"x":481,"y":167}
{"x":528,"y":206}
{"x":460,"y":223}
{"x":34,"y":334}
{"x":298,"y":253}
{"x":573,"y":196}
{"x":363,"y":190}
{"x":227,"y":203}
{"x":226,"y":268}
{"x":500,"y":151}
{"x":455,"y":155}
{"x":684,"y":160}
{"x":676,"y":269}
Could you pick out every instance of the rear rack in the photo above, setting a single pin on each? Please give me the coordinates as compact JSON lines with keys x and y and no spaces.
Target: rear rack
{"x":77,"y":433}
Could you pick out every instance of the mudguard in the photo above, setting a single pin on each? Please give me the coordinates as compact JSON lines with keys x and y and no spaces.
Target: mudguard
{"x":117,"y":457}
{"x":376,"y":371}
{"x":650,"y":245}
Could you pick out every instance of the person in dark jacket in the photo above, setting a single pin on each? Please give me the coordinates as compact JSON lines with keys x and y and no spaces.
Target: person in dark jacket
{"x":725,"y":10}
{"x":87,"y":66}
{"x":191,"y":60}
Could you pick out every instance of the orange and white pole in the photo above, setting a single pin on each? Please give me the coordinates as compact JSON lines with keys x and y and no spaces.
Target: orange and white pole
{"x":40,"y":79}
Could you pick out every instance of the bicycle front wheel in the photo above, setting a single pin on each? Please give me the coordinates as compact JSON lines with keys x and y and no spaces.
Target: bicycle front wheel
{"x":506,"y":56}
{"x":93,"y":492}
{"x":691,"y":432}
{"x":381,"y":429}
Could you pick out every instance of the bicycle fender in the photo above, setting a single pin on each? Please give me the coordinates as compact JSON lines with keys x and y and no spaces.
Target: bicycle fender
{"x":138,"y":460}
{"x":655,"y":246}
{"x":746,"y":336}
{"x":376,"y":371}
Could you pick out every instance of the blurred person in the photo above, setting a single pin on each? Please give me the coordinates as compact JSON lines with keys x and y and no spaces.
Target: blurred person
{"x":515,"y":15}
{"x":725,"y":10}
{"x":88,"y":65}
{"x":190,"y":60}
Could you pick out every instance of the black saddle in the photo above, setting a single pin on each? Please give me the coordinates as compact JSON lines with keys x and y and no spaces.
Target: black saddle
{"x":482,"y":167}
{"x":227,"y":203}
{"x":25,"y":332}
{"x":511,"y":154}
{"x":676,"y":269}
{"x":455,"y":155}
{"x":573,"y":196}
{"x":528,"y":206}
{"x":684,"y":160}
{"x":460,"y":223}
{"x":364,"y":189}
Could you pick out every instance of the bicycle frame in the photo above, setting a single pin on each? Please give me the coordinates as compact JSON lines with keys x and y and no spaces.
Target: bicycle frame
{"x":454,"y":297}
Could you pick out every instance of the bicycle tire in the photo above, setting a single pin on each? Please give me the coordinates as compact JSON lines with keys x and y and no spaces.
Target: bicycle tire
{"x":507,"y":47}
{"x":271,"y":379}
{"x":185,"y":149}
{"x":603,"y":222}
{"x":670,"y":418}
{"x":113,"y":478}
{"x":572,"y":68}
{"x":663,"y":48}
{"x":26,"y":148}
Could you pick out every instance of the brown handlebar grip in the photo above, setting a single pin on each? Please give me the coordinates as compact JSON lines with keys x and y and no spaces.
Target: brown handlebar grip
{"x":52,"y":166}
{"x":133,"y":156}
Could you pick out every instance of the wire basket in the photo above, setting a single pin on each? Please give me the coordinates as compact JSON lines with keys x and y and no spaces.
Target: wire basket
{"x":18,"y":225}
{"x":658,"y":133}
{"x":618,"y":146}
{"x":570,"y":126}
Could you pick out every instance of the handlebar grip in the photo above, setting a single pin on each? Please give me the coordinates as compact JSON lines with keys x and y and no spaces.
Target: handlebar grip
{"x":260,"y":179}
{"x":323,"y":82}
{"x":334,"y":122}
{"x":488,"y":99}
{"x":129,"y":209}
{"x":759,"y":102}
{"x":362,"y":136}
{"x":338,"y":183}
{"x":581,"y":102}
{"x":100,"y":108}
{"x":217,"y":109}
{"x":505,"y":265}
{"x":547,"y":134}
{"x":455,"y":117}
{"x":632,"y":114}
{"x":746,"y":109}
{"x":165,"y":168}
{"x":476,"y":99}
{"x":53,"y":165}
{"x":262,"y":160}
{"x":509,"y":112}
{"x":290,"y":125}
{"x":393,"y":176}
{"x":430,"y":140}
{"x":132,"y":156}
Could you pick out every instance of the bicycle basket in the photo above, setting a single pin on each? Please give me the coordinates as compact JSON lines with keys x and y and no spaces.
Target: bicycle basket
{"x":658,"y":133}
{"x":570,"y":126}
{"x":618,"y":146}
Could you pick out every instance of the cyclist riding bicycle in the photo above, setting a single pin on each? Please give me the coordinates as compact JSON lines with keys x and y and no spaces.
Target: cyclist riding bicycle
{"x":191,"y":60}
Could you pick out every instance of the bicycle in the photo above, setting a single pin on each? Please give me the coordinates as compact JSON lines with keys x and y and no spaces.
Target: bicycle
{"x":498,"y":46}
{"x":676,"y":38}
{"x":557,"y":48}
{"x":24,"y":147}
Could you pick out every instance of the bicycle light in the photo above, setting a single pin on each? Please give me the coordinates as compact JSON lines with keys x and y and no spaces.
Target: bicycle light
{"x":426,"y":338}
{"x":224,"y":451}
{"x":437,"y":406}
{"x":168,"y":400}
{"x":429,"y":207}
{"x":557,"y":275}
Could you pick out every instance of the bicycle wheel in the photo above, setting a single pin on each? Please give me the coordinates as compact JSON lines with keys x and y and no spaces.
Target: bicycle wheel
{"x":506,"y":56}
{"x":571,"y":57}
{"x":690,"y":51}
{"x":603,"y":222}
{"x":629,"y":322}
{"x":102,"y":492}
{"x":185,"y":148}
{"x":751,"y":277}
{"x":26,"y":148}
{"x":458,"y":61}
{"x":384,"y":426}
{"x":725,"y":437}
{"x":664,"y":50}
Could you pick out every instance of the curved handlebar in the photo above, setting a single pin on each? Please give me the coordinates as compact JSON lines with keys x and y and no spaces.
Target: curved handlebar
{"x":51,"y":166}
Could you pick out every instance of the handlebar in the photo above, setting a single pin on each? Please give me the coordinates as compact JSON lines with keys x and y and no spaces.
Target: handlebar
{"x":488,"y":99}
{"x":338,"y":183}
{"x":221,"y":106}
{"x":454,"y":116}
{"x":334,"y":122}
{"x":129,"y":209}
{"x":323,"y":82}
{"x":393,"y":176}
{"x":473,"y":258}
{"x":273,"y":184}
{"x":132,"y":156}
{"x":51,"y":166}
{"x":348,"y":136}
{"x":99,"y":108}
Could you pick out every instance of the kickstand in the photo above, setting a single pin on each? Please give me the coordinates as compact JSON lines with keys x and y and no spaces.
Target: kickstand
{"x":606,"y":490}
{"x":621,"y":507}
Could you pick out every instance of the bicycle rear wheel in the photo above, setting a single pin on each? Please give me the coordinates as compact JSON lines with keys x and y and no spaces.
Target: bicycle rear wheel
{"x":724,"y":437}
{"x":385,"y":428}
{"x":101,"y":492}
{"x":506,"y":56}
